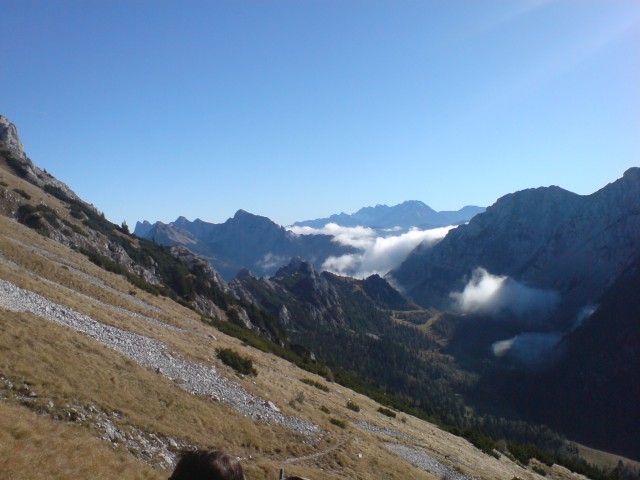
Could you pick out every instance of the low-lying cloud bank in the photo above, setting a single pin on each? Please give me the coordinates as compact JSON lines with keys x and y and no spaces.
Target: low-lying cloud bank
{"x":380,"y":251}
{"x":534,"y":349}
{"x":493,"y":294}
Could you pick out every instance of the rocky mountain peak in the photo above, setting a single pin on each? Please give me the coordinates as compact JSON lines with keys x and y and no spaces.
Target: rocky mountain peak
{"x":9,"y":136}
{"x":12,"y":149}
{"x":297,"y":265}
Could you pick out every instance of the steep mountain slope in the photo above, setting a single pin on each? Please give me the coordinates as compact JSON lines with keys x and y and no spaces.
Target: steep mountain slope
{"x":598,"y":377}
{"x":244,"y":241}
{"x":546,"y":238}
{"x":411,"y":213}
{"x":111,"y":340}
{"x":581,"y":251}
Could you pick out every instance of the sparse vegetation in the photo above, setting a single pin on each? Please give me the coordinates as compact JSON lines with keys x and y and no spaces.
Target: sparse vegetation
{"x":22,"y":193}
{"x":17,"y":166}
{"x":233,"y":359}
{"x":325,"y":409}
{"x":387,"y":412}
{"x":338,"y":423}
{"x":353,"y":406}
{"x":313,"y":383}
{"x":35,"y":217}
{"x":539,"y":470}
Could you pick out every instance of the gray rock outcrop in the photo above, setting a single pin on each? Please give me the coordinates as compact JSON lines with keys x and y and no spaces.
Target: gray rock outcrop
{"x":10,"y":138}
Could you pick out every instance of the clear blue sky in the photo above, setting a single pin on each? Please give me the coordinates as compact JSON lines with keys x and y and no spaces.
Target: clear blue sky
{"x":296,"y":109}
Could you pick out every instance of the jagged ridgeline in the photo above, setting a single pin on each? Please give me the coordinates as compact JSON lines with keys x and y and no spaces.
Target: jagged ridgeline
{"x":360,"y":333}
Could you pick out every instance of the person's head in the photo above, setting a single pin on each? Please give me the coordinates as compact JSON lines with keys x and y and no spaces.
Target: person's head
{"x":207,"y":465}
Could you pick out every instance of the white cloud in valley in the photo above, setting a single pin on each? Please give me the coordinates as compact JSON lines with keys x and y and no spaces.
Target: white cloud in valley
{"x":379,"y":252}
{"x":537,"y":348}
{"x":493,"y":294}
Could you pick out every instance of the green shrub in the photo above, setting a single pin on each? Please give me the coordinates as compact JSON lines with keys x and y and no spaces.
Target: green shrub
{"x":387,"y":412}
{"x":324,"y":409}
{"x":233,"y":359}
{"x":313,"y":383}
{"x":338,"y":423}
{"x":74,"y":227}
{"x":57,"y":192}
{"x":17,"y":166}
{"x":22,"y":193}
{"x":540,"y":470}
{"x":353,"y":406}
{"x":33,"y":217}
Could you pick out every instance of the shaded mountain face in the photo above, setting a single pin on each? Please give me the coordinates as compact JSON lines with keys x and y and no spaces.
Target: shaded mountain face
{"x":244,"y":241}
{"x":412,"y":213}
{"x":547,"y":239}
{"x":547,"y":283}
{"x":306,"y":300}
{"x":591,"y":392}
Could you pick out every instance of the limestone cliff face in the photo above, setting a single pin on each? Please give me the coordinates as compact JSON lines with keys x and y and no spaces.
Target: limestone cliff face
{"x":10,"y":138}
{"x":547,"y":238}
{"x":12,"y":149}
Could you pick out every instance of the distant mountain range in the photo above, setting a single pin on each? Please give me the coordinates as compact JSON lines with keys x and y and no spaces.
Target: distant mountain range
{"x":244,"y":241}
{"x":411,"y":213}
{"x":262,"y":246}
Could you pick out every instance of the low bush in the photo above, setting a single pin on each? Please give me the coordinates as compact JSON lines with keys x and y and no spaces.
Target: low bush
{"x":353,"y":406}
{"x":338,"y":423}
{"x":34,"y":217}
{"x":22,"y":193}
{"x":17,"y":167}
{"x":313,"y":383}
{"x":387,"y":412}
{"x":233,"y":359}
{"x":539,"y":470}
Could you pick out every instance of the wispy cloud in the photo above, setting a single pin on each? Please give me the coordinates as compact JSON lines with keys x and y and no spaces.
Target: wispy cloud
{"x":531,"y":349}
{"x":379,"y":252}
{"x":535,"y":349}
{"x":358,"y":237}
{"x":493,"y":294}
{"x":270,"y":261}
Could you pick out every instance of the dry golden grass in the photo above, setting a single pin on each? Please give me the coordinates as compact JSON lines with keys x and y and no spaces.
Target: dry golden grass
{"x":66,"y":366}
{"x":33,"y":446}
{"x":608,"y":460}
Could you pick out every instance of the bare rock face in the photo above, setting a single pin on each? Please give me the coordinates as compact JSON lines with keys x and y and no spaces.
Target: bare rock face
{"x":12,"y":147}
{"x":10,"y":138}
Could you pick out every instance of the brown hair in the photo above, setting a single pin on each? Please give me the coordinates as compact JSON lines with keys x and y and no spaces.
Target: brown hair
{"x":207,"y":465}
